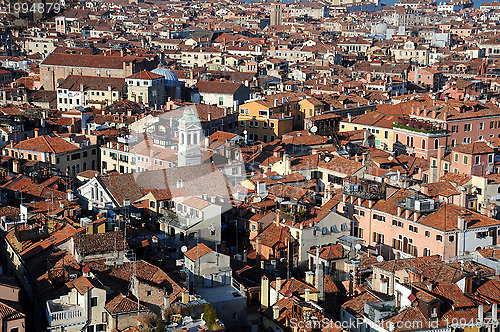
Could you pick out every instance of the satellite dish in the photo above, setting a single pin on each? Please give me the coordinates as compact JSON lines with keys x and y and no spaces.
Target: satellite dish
{"x":184,"y":249}
{"x":288,"y":293}
{"x":390,"y":158}
{"x":380,"y":259}
{"x":314,"y":129}
{"x":357,"y":246}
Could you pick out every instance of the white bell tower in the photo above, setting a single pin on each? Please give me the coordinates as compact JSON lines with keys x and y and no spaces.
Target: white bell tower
{"x":189,"y":152}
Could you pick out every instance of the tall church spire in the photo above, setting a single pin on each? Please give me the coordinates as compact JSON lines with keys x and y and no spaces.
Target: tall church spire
{"x":190,"y":132}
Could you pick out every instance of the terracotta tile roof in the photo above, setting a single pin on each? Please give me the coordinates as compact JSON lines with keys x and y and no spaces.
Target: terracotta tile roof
{"x":490,"y":290}
{"x":145,"y":75}
{"x":455,"y":296}
{"x":412,"y":315}
{"x":197,"y":252}
{"x":217,"y":87}
{"x":47,"y":144}
{"x":303,"y":137}
{"x":341,"y":165}
{"x":334,"y":251}
{"x":400,"y":264}
{"x":72,"y":83}
{"x":8,"y":313}
{"x":85,"y":61}
{"x":273,"y":236}
{"x":83,"y":284}
{"x":459,"y":179}
{"x":123,"y":304}
{"x":356,"y":306}
{"x":298,"y":287}
{"x":118,"y":277}
{"x":88,"y":244}
{"x":474,"y":148}
{"x":443,"y":188}
{"x":196,"y":203}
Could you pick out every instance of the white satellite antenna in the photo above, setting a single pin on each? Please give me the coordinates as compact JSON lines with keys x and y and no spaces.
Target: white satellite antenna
{"x":357,"y":246}
{"x":380,"y":259}
{"x":184,"y":249}
{"x":314,"y":129}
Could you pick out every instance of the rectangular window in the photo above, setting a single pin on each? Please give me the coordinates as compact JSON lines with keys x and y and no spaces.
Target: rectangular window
{"x":397,"y":223}
{"x":439,"y":238}
{"x":456,"y":157}
{"x":481,"y":125}
{"x":476,"y":160}
{"x":379,"y":218}
{"x":454,"y":128}
{"x":378,"y":238}
{"x":466,"y":160}
{"x":467,"y":127}
{"x":93,"y":302}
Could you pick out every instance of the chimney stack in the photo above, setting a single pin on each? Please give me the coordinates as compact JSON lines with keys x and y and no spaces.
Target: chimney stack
{"x":185,"y":297}
{"x":319,"y":282}
{"x":310,"y":277}
{"x":276,"y":312}
{"x":264,"y":292}
{"x":307,"y":295}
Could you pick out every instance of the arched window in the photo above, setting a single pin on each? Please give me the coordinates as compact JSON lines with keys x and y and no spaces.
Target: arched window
{"x":397,"y":138}
{"x":182,"y":138}
{"x":436,"y":143}
{"x":423,"y":144}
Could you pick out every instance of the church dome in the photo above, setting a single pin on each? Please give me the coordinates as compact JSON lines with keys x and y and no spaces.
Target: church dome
{"x":170,"y":78}
{"x":380,"y":28}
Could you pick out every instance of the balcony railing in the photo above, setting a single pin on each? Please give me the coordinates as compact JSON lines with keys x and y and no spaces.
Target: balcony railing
{"x":364,"y":189}
{"x":64,"y":314}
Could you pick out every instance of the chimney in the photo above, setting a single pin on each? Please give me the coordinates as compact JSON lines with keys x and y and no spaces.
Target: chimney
{"x":70,"y":195}
{"x":480,"y":313}
{"x":257,"y":249}
{"x":310,"y":277}
{"x":279,"y":283}
{"x":307,"y":295}
{"x":440,"y":156}
{"x":209,"y":116}
{"x":16,"y":166}
{"x":494,"y":312}
{"x":276,"y":312}
{"x":463,"y":198}
{"x":264,"y":292}
{"x":461,"y":224}
{"x":37,"y":132}
{"x":286,"y":164}
{"x":349,"y":117}
{"x":185,"y":297}
{"x":319,"y":282}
